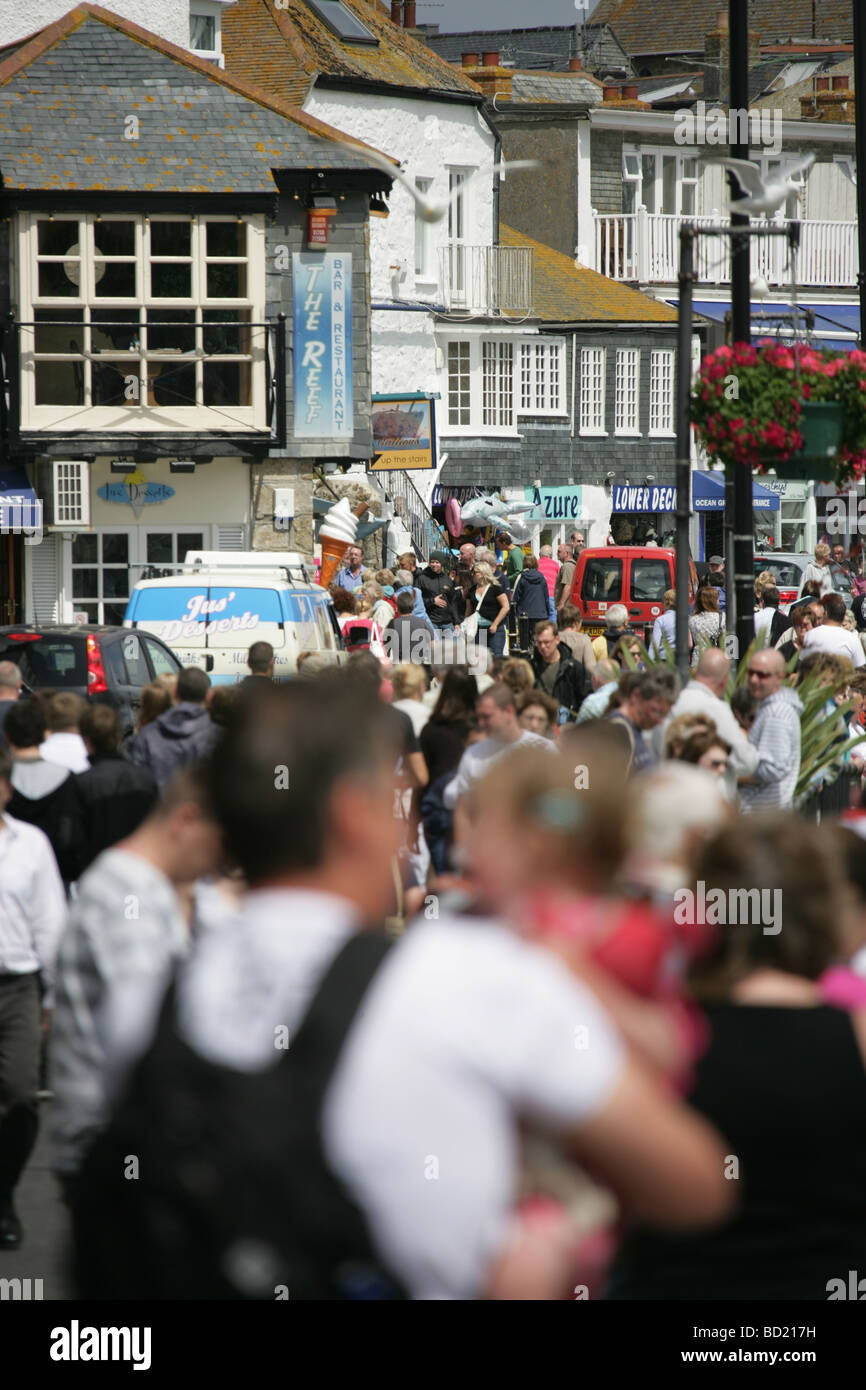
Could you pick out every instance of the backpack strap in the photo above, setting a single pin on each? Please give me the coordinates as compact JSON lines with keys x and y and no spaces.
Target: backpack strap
{"x":334,"y":1007}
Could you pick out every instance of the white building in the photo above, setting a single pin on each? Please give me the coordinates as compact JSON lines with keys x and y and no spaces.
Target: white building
{"x":192,"y":24}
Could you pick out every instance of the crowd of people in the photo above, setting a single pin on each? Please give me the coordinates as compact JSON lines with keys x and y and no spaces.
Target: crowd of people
{"x":398,"y":979}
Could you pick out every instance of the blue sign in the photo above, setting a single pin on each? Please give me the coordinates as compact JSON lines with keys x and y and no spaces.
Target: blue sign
{"x":644,"y":499}
{"x":136,"y":492}
{"x":554,"y":503}
{"x":322,"y":349}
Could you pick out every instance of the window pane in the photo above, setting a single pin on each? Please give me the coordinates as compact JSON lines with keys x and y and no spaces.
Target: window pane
{"x":85,"y":583}
{"x":84,"y":549}
{"x":55,"y":282}
{"x":114,"y":279}
{"x":189,"y":540}
{"x":687,"y":198}
{"x":178,"y":338}
{"x":114,"y":330}
{"x":649,"y":580}
{"x":159,"y":550}
{"x":169,"y":384}
{"x":224,"y":338}
{"x":59,"y":383}
{"x":170,"y":281}
{"x":226,"y":281}
{"x":170,"y":239}
{"x":227,"y":383}
{"x":59,"y":338}
{"x":55,"y":238}
{"x":159,"y":658}
{"x":114,"y":238}
{"x":602,"y":581}
{"x":115,"y":548}
{"x":114,"y":613}
{"x":226,"y":238}
{"x":669,"y":184}
{"x":690,"y":168}
{"x":202,"y":33}
{"x":115,"y":583}
{"x":648,"y":179}
{"x":109,"y":381}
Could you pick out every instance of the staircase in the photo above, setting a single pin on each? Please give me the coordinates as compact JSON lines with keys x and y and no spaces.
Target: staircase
{"x":411,"y":509}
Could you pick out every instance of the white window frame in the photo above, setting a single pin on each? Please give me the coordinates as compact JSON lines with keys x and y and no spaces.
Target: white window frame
{"x":634,"y":175}
{"x":661,"y":399}
{"x":425,"y":269}
{"x":593,"y":402}
{"x":457,"y":225}
{"x":541,"y":377}
{"x":137,"y":564}
{"x":554,"y":357}
{"x":627,"y":392}
{"x":142,"y":417}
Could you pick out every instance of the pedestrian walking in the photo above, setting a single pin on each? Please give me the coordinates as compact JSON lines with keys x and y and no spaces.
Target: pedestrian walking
{"x":775,"y":733}
{"x":116,"y":794}
{"x":183,"y":734}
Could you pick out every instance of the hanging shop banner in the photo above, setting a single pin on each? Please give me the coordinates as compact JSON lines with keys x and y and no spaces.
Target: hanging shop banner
{"x":554,"y":503}
{"x":643,"y":499}
{"x":322,"y":348}
{"x":403,"y":433}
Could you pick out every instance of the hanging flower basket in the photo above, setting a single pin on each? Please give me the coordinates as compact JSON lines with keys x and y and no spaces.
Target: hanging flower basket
{"x":790,"y":408}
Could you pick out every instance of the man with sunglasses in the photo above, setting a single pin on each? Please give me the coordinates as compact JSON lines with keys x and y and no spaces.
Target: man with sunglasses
{"x":775,"y":733}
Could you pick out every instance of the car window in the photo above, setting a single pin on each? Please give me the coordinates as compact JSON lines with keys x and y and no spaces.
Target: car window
{"x":787,"y":573}
{"x":137,"y":670}
{"x":58,"y":662}
{"x":163,"y":663}
{"x":326,"y":633}
{"x":649,"y":580}
{"x":602,"y":580}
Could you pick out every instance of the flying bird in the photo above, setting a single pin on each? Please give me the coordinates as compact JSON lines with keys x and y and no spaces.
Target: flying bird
{"x":761,"y":196}
{"x":430,"y":211}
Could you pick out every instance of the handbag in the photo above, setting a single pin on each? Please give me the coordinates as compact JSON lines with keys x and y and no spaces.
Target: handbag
{"x":469,"y":627}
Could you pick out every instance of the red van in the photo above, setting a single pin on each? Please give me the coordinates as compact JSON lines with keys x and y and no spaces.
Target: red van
{"x":634,"y":575}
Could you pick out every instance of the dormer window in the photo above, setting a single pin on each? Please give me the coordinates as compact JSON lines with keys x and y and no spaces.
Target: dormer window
{"x":342,"y":21}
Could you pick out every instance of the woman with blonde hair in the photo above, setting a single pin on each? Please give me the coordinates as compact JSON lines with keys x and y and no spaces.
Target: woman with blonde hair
{"x":818,"y":570}
{"x":518,"y":675}
{"x":491,"y":603}
{"x":410,"y":683}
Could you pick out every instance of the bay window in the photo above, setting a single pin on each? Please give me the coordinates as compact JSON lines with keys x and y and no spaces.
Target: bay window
{"x":142,"y":323}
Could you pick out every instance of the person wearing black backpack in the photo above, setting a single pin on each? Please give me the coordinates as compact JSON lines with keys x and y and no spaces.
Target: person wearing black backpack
{"x":324,"y":1115}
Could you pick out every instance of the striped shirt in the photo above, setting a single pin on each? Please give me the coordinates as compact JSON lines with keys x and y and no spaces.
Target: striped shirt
{"x":776,"y":735}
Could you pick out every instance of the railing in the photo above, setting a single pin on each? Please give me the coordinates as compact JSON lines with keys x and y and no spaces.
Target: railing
{"x":411,"y":509}
{"x":487,"y":279}
{"x":644,"y":247}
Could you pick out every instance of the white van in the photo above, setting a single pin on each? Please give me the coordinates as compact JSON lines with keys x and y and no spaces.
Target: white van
{"x":212,"y":610}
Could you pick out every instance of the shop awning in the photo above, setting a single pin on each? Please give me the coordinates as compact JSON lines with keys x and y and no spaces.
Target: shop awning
{"x":708,"y":494}
{"x":20,"y":508}
{"x":836,"y":325}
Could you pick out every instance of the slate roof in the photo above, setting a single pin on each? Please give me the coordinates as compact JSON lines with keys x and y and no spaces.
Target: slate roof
{"x":566,"y":293}
{"x":680,"y":26}
{"x":555,"y":87}
{"x":544,"y":49}
{"x":788,"y":100}
{"x":65,"y":96}
{"x":285,"y":49}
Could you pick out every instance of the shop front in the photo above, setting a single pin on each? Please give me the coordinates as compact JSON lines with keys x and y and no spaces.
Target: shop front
{"x":708,"y":504}
{"x":639,"y":515}
{"x":132,"y":525}
{"x":558,"y":512}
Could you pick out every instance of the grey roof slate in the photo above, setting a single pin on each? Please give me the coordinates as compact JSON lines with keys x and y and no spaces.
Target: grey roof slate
{"x":533,"y":87}
{"x":63,"y":118}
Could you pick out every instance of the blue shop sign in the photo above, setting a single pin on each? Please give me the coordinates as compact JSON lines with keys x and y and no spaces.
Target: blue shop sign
{"x":643,"y":499}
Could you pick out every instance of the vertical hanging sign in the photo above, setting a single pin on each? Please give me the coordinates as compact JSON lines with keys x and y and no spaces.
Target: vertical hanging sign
{"x":322,"y":319}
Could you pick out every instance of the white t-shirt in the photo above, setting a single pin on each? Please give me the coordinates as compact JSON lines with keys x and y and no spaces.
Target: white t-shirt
{"x":479,"y":757}
{"x":465,"y":1029}
{"x":837,"y":640}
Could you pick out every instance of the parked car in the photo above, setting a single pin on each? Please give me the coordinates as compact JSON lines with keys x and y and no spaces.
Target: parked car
{"x":105,"y":664}
{"x":635,"y":575}
{"x":787,"y":569}
{"x":212,"y":611}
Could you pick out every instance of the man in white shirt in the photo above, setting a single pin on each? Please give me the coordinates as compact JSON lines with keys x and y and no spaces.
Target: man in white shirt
{"x":496,"y":712}
{"x":64,"y":744}
{"x":464,"y":1031}
{"x":831,"y":636}
{"x":32,"y":914}
{"x":704,"y":694}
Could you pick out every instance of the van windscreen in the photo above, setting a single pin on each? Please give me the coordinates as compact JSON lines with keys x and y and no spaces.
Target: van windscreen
{"x":602,"y":580}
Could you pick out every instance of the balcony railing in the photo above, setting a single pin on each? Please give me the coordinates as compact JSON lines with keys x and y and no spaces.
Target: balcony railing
{"x":411,"y":510}
{"x":644,"y":247}
{"x":487,"y":279}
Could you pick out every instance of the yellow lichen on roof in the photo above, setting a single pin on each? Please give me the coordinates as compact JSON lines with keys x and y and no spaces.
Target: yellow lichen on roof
{"x":566,"y":293}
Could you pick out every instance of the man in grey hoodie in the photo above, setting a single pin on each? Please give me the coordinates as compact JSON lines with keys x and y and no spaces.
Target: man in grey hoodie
{"x":183,"y":734}
{"x":775,"y":733}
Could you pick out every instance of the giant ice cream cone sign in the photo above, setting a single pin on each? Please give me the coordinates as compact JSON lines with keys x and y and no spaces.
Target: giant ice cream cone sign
{"x":339,"y":532}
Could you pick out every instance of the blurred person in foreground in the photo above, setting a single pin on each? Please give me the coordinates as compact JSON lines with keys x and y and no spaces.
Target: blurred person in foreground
{"x":32,"y":917}
{"x":783,"y":1077}
{"x":538,"y":713}
{"x":605,"y":677}
{"x":497,"y":719}
{"x":422,"y":1058}
{"x":127,"y":928}
{"x":671,"y":811}
{"x":705,"y":694}
{"x":647,"y":703}
{"x":116,"y":795}
{"x":63,"y":743}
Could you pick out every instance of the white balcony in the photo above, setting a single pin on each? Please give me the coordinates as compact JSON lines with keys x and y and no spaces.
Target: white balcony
{"x":487,"y":279}
{"x":644,"y":248}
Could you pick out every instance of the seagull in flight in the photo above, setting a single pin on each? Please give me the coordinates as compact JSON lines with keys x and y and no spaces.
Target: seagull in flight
{"x":428,"y":210}
{"x":761,"y":196}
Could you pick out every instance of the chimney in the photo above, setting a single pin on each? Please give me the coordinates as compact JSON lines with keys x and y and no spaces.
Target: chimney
{"x":397,"y":13}
{"x":493,"y":80}
{"x":409,"y":14}
{"x":840,"y":84}
{"x":575,"y":64}
{"x":717,"y":58}
{"x":490,"y":59}
{"x":837,"y":105}
{"x":610,"y":92}
{"x":823,"y":84}
{"x":629,"y":93}
{"x":469,"y":60}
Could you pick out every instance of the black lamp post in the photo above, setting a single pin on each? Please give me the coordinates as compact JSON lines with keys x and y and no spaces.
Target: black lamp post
{"x":741,"y":309}
{"x":859,"y":66}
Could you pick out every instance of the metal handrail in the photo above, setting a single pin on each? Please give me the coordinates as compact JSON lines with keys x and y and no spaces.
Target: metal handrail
{"x":425,"y":531}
